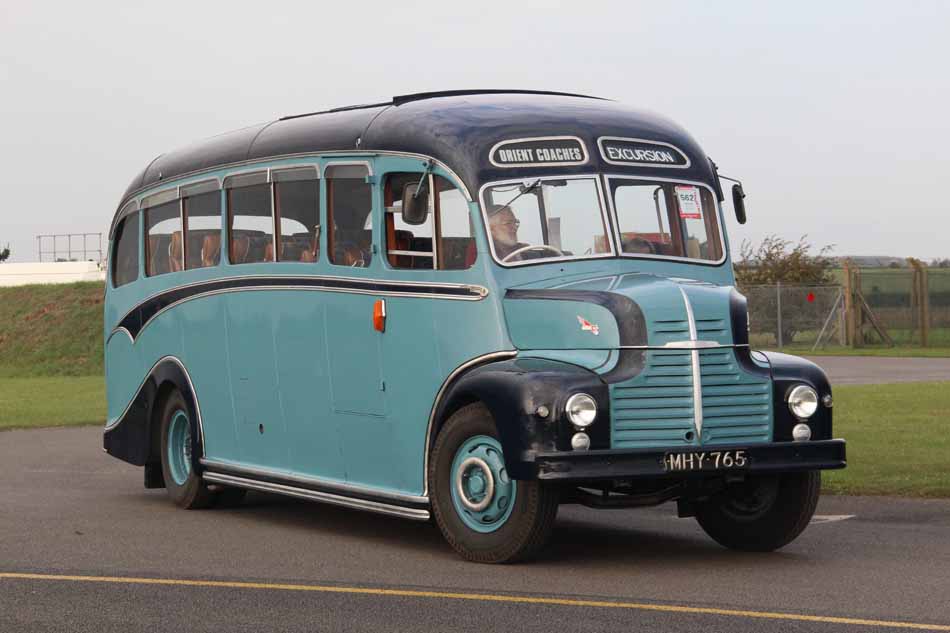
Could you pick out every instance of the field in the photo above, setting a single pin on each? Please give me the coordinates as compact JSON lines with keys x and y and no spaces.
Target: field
{"x":898,"y":439}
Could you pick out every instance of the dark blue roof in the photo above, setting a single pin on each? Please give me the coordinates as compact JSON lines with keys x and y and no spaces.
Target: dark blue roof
{"x":458,"y":128}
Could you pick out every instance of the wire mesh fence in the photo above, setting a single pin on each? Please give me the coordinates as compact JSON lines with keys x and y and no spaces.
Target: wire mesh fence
{"x":893,"y":307}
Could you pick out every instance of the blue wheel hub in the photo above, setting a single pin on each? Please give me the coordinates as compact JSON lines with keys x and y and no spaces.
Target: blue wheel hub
{"x":179,"y":447}
{"x":482,"y":493}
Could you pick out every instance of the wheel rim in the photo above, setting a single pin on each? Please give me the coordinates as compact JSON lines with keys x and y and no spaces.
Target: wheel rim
{"x":752,"y":500}
{"x":179,"y":447}
{"x":482,"y":493}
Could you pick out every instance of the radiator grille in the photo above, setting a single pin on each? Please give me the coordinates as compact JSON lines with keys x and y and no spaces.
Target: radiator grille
{"x":656,"y":408}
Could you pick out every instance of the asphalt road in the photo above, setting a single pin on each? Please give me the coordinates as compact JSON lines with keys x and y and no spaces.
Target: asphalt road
{"x":864,"y":370}
{"x":69,"y":510}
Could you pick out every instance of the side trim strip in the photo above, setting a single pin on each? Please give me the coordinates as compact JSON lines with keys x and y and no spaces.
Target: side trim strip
{"x":327,"y":485}
{"x":138,"y":318}
{"x":313,"y":495}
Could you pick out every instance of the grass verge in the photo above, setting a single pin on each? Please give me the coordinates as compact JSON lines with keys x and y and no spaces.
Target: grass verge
{"x":898,"y":440}
{"x":53,"y":401}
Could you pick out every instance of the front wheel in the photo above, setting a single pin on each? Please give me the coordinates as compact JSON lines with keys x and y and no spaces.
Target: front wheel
{"x":762,"y":513}
{"x":486,"y":516}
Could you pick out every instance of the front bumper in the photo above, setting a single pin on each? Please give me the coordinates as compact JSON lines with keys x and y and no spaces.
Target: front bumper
{"x":649,"y":463}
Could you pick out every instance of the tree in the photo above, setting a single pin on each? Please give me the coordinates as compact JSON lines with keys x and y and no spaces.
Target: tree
{"x":5,"y":253}
{"x":940,"y":263}
{"x":779,"y":260}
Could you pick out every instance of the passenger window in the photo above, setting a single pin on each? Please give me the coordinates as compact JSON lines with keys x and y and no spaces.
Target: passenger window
{"x":411,"y":246}
{"x":297,"y":193}
{"x":349,"y":207}
{"x":250,"y":224}
{"x":164,"y":246}
{"x":203,"y":222}
{"x":125,"y":254}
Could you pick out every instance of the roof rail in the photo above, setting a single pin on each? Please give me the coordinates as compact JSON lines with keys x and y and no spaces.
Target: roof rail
{"x":419,"y":96}
{"x":361,"y":106}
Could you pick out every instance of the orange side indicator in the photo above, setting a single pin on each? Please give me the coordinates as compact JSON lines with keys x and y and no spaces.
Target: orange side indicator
{"x":379,"y":315}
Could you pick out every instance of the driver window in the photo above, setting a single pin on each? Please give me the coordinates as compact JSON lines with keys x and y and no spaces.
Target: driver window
{"x":349,"y":215}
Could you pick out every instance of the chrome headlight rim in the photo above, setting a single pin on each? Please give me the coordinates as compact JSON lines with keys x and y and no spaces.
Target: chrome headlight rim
{"x":581,"y":410}
{"x":803,"y":401}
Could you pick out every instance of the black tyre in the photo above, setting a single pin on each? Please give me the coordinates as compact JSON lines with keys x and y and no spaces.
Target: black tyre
{"x":184,"y":486}
{"x":483,"y":514}
{"x":228,"y":497}
{"x":762,"y":513}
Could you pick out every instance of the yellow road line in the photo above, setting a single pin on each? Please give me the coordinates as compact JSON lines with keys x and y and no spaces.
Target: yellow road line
{"x":448,"y":595}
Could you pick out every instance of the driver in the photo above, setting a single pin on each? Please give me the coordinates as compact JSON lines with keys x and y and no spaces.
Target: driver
{"x":504,"y":230}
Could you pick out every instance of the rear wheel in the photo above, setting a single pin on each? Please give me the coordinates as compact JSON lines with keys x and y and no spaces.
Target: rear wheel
{"x":762,"y":513}
{"x":486,"y":516}
{"x":184,"y":486}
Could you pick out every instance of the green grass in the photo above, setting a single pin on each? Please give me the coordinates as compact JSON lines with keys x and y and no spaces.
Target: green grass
{"x":53,"y":401}
{"x":51,"y":330}
{"x":898,"y":440}
{"x":890,"y":352}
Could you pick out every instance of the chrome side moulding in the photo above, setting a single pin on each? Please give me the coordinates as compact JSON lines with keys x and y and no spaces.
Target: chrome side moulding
{"x":330,"y":485}
{"x":313,"y":495}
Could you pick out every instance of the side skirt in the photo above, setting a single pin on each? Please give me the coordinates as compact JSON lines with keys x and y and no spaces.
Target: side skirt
{"x":381,"y":507}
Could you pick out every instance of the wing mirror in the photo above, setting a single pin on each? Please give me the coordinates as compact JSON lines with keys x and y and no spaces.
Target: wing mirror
{"x":738,"y":202}
{"x":415,"y":203}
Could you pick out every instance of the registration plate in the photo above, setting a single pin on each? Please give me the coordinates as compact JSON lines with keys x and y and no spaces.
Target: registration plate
{"x":705,"y":460}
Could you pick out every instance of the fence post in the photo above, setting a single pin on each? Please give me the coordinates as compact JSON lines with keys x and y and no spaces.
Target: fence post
{"x":849,"y":324}
{"x":778,"y":313}
{"x":920,"y":299}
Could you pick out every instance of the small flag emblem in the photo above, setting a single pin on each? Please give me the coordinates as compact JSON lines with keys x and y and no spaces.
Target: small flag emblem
{"x":587,"y":326}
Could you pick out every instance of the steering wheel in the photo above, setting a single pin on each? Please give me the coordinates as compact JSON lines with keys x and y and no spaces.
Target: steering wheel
{"x":532,"y":247}
{"x":638,"y":243}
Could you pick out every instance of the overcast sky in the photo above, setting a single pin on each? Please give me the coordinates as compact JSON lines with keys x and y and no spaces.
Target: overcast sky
{"x":836,"y":115}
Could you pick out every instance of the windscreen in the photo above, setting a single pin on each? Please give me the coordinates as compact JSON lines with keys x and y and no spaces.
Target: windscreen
{"x":545,"y":219}
{"x":666,"y":219}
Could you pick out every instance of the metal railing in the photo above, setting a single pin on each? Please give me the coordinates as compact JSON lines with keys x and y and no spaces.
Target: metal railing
{"x":70,"y":247}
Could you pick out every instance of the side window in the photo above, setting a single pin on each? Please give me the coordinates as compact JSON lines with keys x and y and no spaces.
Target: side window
{"x":125,"y":253}
{"x":163,"y":243}
{"x":413,"y":246}
{"x":456,"y":247}
{"x":407,"y":245}
{"x":349,"y":215}
{"x":296,"y":200}
{"x":250,"y":222}
{"x":203,"y":228}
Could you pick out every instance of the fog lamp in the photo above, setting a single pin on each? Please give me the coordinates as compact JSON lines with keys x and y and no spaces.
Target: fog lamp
{"x":580,"y":442}
{"x":801,"y":433}
{"x":803,"y":401}
{"x":581,"y":410}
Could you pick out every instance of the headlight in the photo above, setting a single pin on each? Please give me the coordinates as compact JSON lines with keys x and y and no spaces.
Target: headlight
{"x":803,"y":401}
{"x":581,"y":410}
